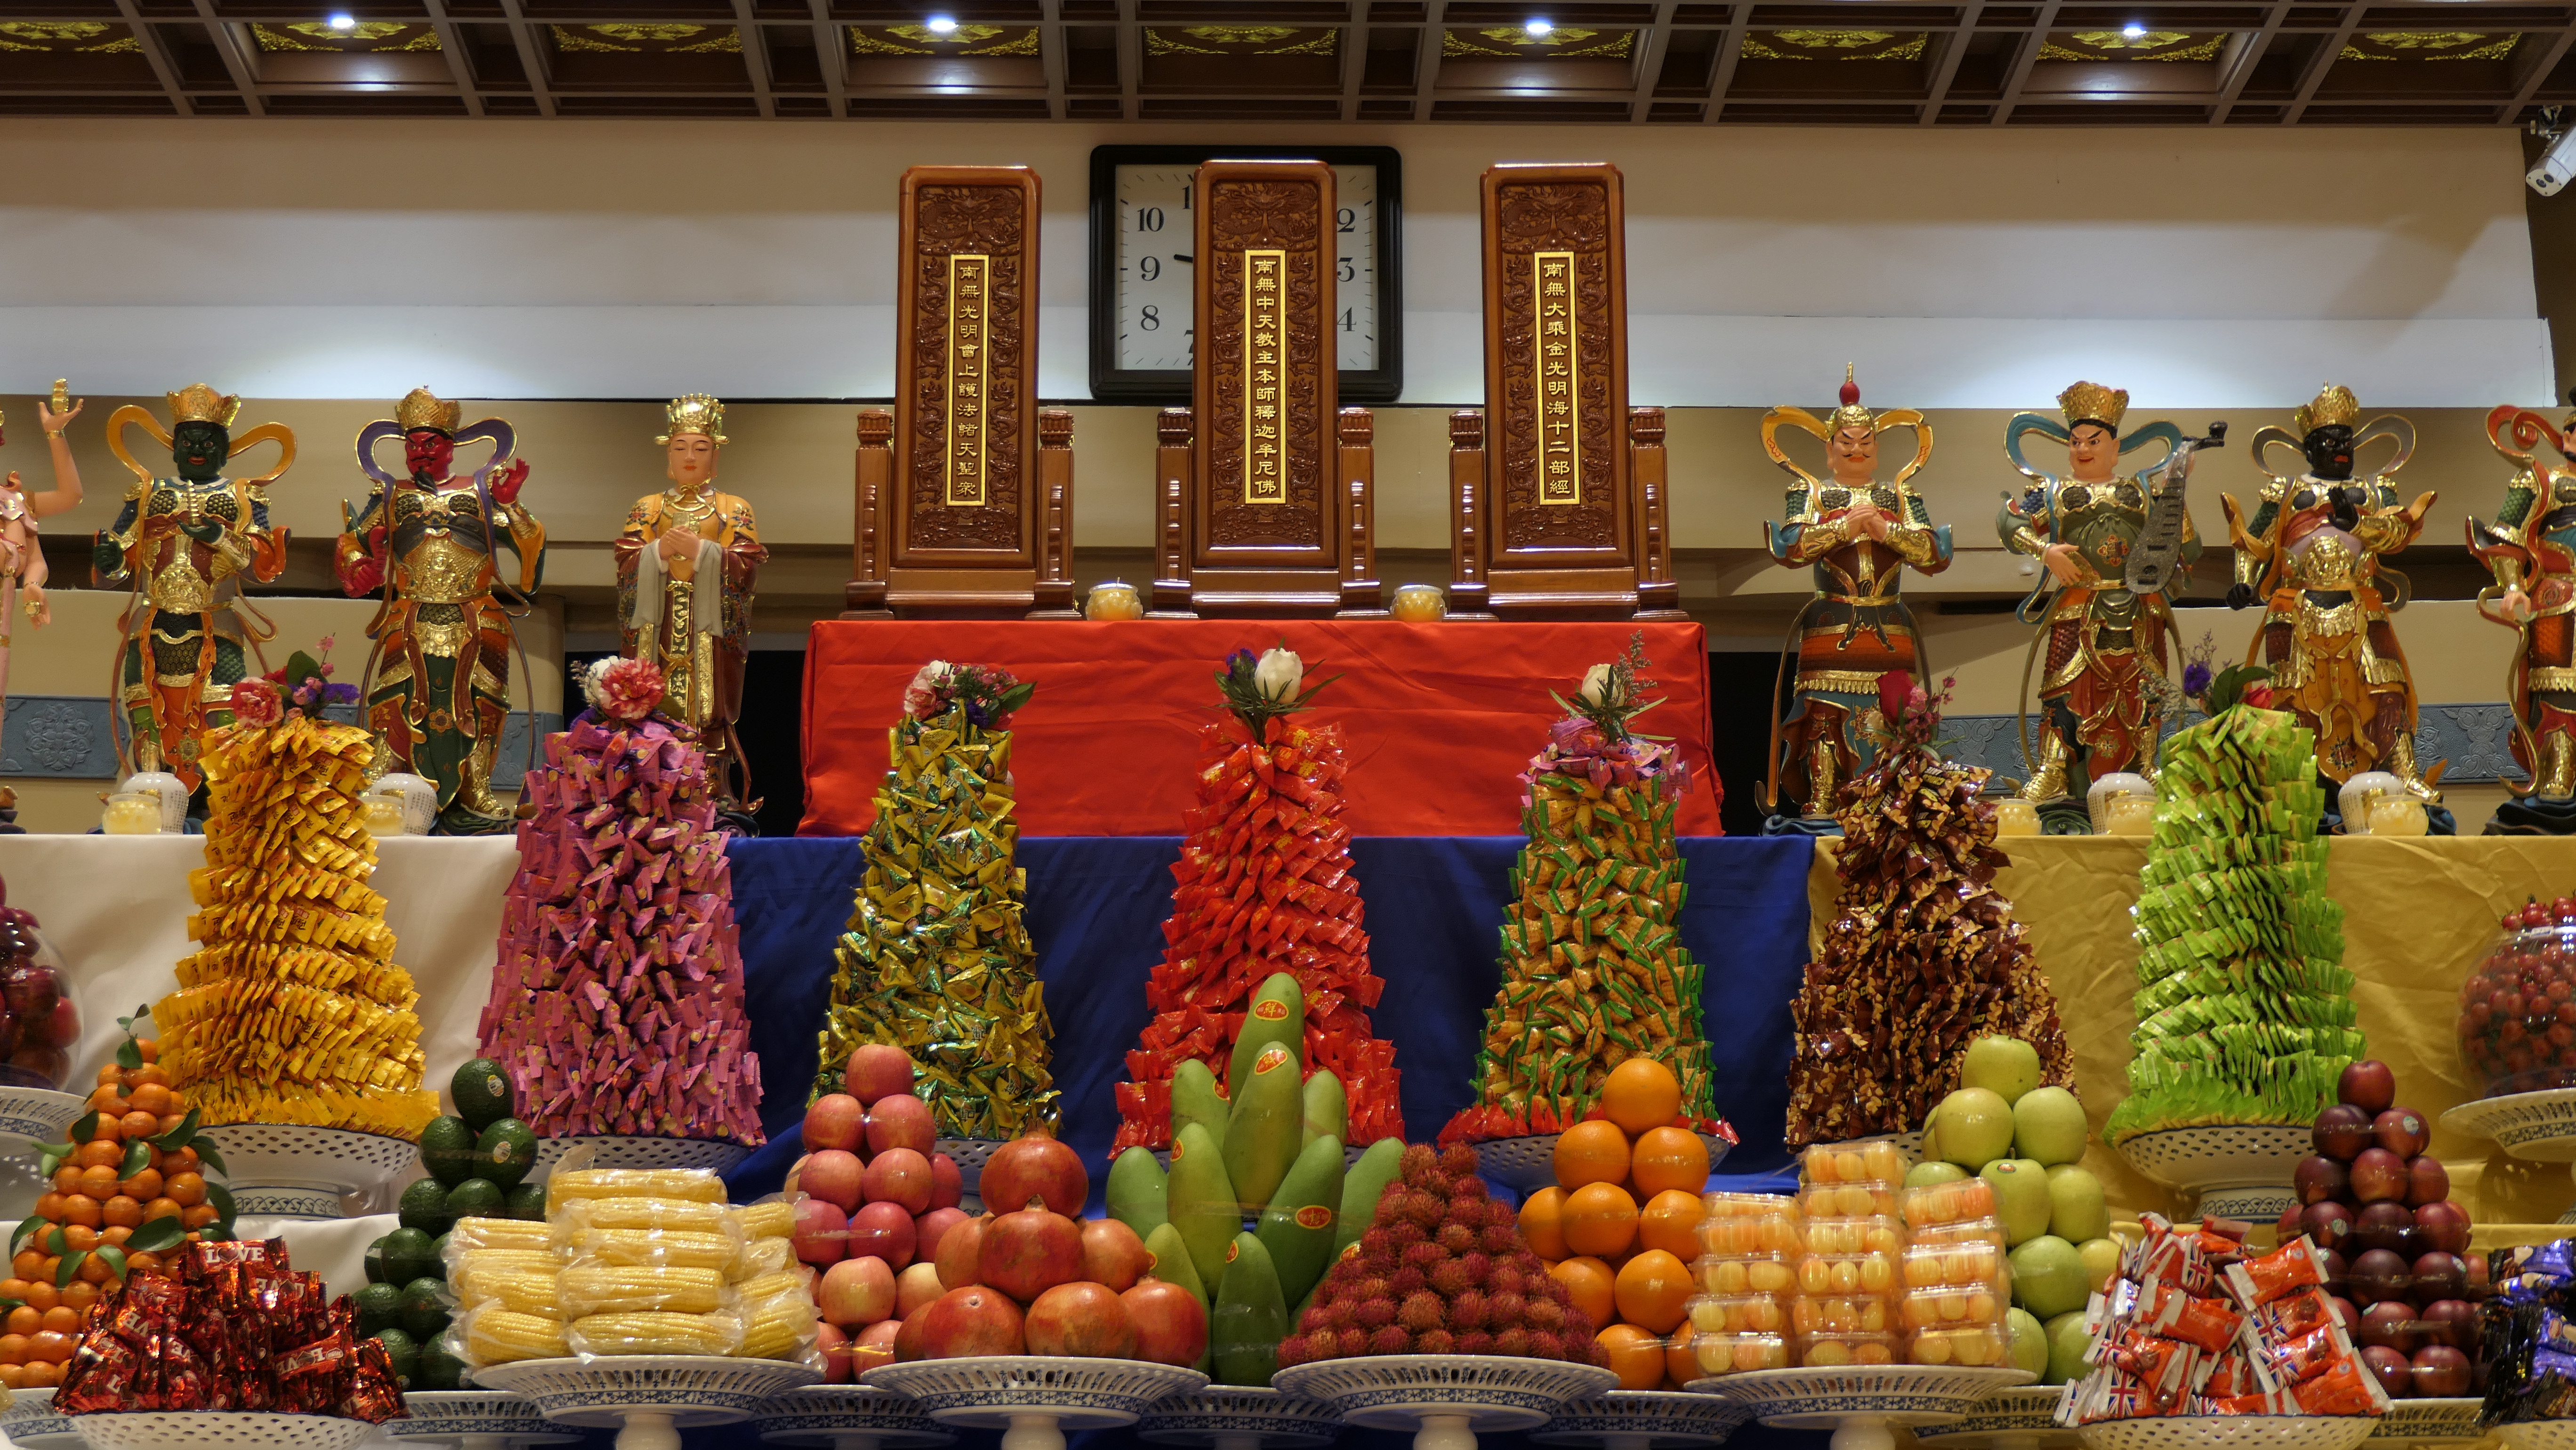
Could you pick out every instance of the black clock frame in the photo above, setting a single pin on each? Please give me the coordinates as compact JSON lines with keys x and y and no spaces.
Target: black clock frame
{"x":1170,"y":387}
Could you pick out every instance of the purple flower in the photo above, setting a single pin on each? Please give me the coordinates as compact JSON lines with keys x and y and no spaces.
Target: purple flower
{"x":340,"y":694}
{"x":2195,"y":678}
{"x":1241,"y":662}
{"x":975,"y":715}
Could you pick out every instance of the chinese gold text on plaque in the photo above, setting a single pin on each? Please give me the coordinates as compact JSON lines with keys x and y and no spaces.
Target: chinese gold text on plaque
{"x":969,"y":273}
{"x":1265,"y":357}
{"x":1560,"y":459}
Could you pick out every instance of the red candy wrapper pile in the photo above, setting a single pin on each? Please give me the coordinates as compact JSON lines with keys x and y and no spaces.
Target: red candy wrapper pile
{"x":2193,"y":1327}
{"x":617,"y":1003}
{"x":234,"y":1328}
{"x":1264,"y":885}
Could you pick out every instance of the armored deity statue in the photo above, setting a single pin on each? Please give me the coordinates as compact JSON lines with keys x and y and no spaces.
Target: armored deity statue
{"x":437,"y":687}
{"x":686,"y":563}
{"x":22,"y":556}
{"x":2111,"y":545}
{"x":2312,"y":555}
{"x":1858,"y":535}
{"x":2531,"y":547}
{"x":184,"y":544}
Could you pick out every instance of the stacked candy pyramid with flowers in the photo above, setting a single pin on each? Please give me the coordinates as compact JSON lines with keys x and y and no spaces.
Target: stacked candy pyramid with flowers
{"x":936,"y":960}
{"x":292,"y":1010}
{"x":1264,"y":886}
{"x":1594,"y":972}
{"x":616,"y":1004}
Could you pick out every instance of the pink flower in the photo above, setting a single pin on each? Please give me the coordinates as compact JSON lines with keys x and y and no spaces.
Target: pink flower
{"x":325,"y":642}
{"x":2258,"y":695}
{"x":626,"y":689}
{"x":921,"y":697}
{"x":256,"y":703}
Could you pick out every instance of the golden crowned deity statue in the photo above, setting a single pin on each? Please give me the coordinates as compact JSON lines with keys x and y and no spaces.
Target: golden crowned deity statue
{"x":184,"y":544}
{"x":1858,"y":535}
{"x":2531,"y":550}
{"x":437,"y":690}
{"x":2312,"y":555}
{"x":2103,"y":604}
{"x":22,"y":556}
{"x":686,"y":563}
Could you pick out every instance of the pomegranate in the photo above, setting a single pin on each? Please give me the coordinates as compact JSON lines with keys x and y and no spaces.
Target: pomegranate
{"x":908,"y":1342}
{"x":1112,"y":1255}
{"x":974,"y":1321}
{"x":1036,"y":1167}
{"x":1029,"y":1252}
{"x":961,"y":1251}
{"x":1083,"y":1320}
{"x":915,"y":1287}
{"x":1171,"y":1324}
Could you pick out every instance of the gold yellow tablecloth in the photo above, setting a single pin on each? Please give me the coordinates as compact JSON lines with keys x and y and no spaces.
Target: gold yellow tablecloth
{"x":2419,"y":914}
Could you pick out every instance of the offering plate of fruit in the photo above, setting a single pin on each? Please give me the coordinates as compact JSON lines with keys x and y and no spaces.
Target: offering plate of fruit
{"x":1035,"y":1397}
{"x":2238,"y":1170}
{"x":2517,"y":1035}
{"x":1445,"y":1398}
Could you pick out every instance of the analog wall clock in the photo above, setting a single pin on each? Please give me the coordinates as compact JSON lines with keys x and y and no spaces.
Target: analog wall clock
{"x":1141,"y":268}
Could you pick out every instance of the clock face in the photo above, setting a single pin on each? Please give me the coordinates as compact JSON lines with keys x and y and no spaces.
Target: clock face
{"x":1155,"y":269}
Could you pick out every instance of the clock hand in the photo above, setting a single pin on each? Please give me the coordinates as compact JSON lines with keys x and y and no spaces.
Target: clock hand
{"x":1183,"y":257}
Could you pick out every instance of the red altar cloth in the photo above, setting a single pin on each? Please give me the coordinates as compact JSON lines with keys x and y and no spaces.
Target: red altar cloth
{"x":1440,"y":718}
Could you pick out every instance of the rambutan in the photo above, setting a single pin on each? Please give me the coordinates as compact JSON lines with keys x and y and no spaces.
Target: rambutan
{"x":1390,"y":1340}
{"x":1450,"y":1280}
{"x":1467,"y":1312}
{"x":1437,"y":1341}
{"x":1508,"y":1278}
{"x":1375,"y":1314}
{"x":1292,"y":1351}
{"x":1420,"y":1313}
{"x":1425,"y":1257}
{"x":1556,"y":1289}
{"x":1337,"y":1315}
{"x":1428,"y":1210}
{"x":1420,"y":1165}
{"x":1378,"y":1238}
{"x":1480,"y":1268}
{"x":1598,"y":1355}
{"x":1497,"y":1211}
{"x":1544,"y":1345}
{"x":1406,"y":1282}
{"x":1499,"y":1238}
{"x":1312,"y":1319}
{"x":1404,"y":1234}
{"x":1369,"y":1288}
{"x":1458,"y":1160}
{"x":1457,"y":1238}
{"x":1579,"y":1324}
{"x":1374,"y":1266}
{"x":1505,"y":1309}
{"x":1546,"y":1315}
{"x":1478,"y":1342}
{"x":1470,"y":1189}
{"x":1513,"y":1342}
{"x":1351,"y":1344}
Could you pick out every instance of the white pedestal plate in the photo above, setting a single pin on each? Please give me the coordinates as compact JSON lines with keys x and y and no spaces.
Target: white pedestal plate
{"x":2538,"y":1126}
{"x":2237,"y":1170}
{"x":1445,"y":1399}
{"x":2019,"y":1417}
{"x":1240,"y":1417}
{"x":1034,"y":1399}
{"x":2232,"y":1432}
{"x":474,"y":1420}
{"x":717,"y":1155}
{"x":31,"y":1424}
{"x":1642,"y":1420}
{"x":279,"y":1170}
{"x":647,"y":1398}
{"x":2429,"y":1422}
{"x":219,"y":1430}
{"x":847,"y":1417}
{"x":1863,"y":1404}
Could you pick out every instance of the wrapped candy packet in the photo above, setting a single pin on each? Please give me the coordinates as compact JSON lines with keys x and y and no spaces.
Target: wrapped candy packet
{"x":2286,"y":1270}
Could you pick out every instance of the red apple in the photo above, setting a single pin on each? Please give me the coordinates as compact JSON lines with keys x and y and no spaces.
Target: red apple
{"x":2401,"y":1131}
{"x":972,"y":1321}
{"x":961,"y":1253}
{"x":1083,"y":1320}
{"x":2396,"y":1374}
{"x":2369,"y":1086}
{"x":2320,"y":1179}
{"x":834,"y":1346}
{"x":2427,"y":1181}
{"x":2331,"y":1264}
{"x":874,"y":1346}
{"x":877,"y":1070}
{"x":2327,"y":1223}
{"x":2439,"y":1276}
{"x":837,"y":1177}
{"x":915,"y":1286}
{"x":1112,"y":1255}
{"x":2342,"y":1131}
{"x":1171,"y":1324}
{"x":931,"y":1227}
{"x":822,"y":1232}
{"x":901,"y":1120}
{"x":1029,"y":1252}
{"x":2378,"y":1276}
{"x":1035,"y":1167}
{"x":899,"y":1176}
{"x":2441,"y":1372}
{"x":835,"y":1121}
{"x":884,"y":1230}
{"x":2386,"y":1224}
{"x":947,"y":1183}
{"x":2390,"y":1322}
{"x":856,"y":1292}
{"x":2450,"y":1321}
{"x":908,"y":1342}
{"x":2444,"y":1225}
{"x":2288,"y":1228}
{"x":2378,"y":1175}
{"x":2345,"y":1315}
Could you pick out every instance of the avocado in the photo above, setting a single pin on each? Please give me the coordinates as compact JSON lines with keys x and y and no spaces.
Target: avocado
{"x":408,"y":1256}
{"x":439,"y":1370}
{"x":404,"y":1351}
{"x":377,"y":1305}
{"x":505,"y":1153}
{"x":481,"y":1092}
{"x":527,"y":1201}
{"x":475,"y":1198}
{"x":447,"y":1151}
{"x":375,"y":1262}
{"x":424,"y":1311}
{"x":424,"y":1206}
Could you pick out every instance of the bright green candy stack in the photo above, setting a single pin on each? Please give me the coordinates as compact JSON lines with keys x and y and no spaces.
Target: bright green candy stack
{"x":2244,"y":1011}
{"x":936,"y":959}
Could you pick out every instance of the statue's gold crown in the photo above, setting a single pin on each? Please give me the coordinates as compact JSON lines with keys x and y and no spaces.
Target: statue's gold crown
{"x":421,"y":408}
{"x":2335,"y":407}
{"x":695,"y":413}
{"x":1851,"y":414}
{"x":2094,"y":403}
{"x":197,"y":403}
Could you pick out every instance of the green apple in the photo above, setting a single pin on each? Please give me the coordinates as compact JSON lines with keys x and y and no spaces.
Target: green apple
{"x":2029,"y":1341}
{"x":2048,"y":1124}
{"x":2067,"y":1342}
{"x":2005,"y":1066}
{"x":2076,"y":1211}
{"x":2021,"y":1197}
{"x":1931,"y":1140}
{"x":2048,"y":1277}
{"x":1931,"y":1171}
{"x":2101,"y":1261}
{"x":1976,"y":1127}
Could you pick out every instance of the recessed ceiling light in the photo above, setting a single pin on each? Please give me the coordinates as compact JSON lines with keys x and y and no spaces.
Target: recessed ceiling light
{"x":343,"y":22}
{"x":2133,"y":30}
{"x":1539,"y":25}
{"x":942,"y":25}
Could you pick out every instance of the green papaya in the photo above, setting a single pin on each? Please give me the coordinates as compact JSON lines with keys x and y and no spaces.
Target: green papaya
{"x":1139,"y":1196}
{"x":1277,"y":1015}
{"x":1203,"y":1203}
{"x":1250,"y":1318}
{"x":1327,"y":1107}
{"x":1172,"y":1262}
{"x":1261,"y":1138}
{"x":1297,"y":1224}
{"x":1197,"y":1099}
{"x":1363,"y":1186}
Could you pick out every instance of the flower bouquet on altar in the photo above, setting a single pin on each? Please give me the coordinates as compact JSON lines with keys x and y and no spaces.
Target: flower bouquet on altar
{"x":1264,"y":885}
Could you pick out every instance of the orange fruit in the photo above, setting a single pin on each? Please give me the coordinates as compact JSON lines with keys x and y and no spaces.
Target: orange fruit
{"x":1653,"y":1291}
{"x":1600,"y":1220}
{"x":1641,"y":1093}
{"x":1591,"y":1284}
{"x":1670,"y":1222}
{"x":41,"y":1294}
{"x":26,"y":1266}
{"x":140,"y":1124}
{"x":164,"y":1207}
{"x":188,"y":1190}
{"x":103,"y":1153}
{"x":152,"y":1098}
{"x":80,"y":1296}
{"x":1636,"y":1357}
{"x":199,"y":1216}
{"x":67,"y":1178}
{"x":121,"y":1212}
{"x":1681,"y":1362}
{"x":62,"y":1319}
{"x":143,"y":1187}
{"x":23,"y":1320}
{"x":1542,"y":1223}
{"x":1591,"y":1152}
{"x":50,"y":1347}
{"x":1667,"y":1158}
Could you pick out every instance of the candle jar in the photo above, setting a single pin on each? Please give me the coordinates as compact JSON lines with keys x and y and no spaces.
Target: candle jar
{"x":415,"y":800}
{"x":1113,"y":600}
{"x":2016,"y":817}
{"x":169,"y":790}
{"x":2133,"y":815}
{"x":132,"y":813}
{"x":384,"y":815}
{"x":2353,"y":800}
{"x":2399,"y":815}
{"x":1419,"y":603}
{"x":2099,"y":796}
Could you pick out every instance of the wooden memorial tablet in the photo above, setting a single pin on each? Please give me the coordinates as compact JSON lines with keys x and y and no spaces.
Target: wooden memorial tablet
{"x":1267,"y":511}
{"x":965,"y":496}
{"x":1557,"y":484}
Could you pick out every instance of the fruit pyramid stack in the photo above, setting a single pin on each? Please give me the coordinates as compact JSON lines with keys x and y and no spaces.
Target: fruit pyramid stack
{"x":1593,"y":969}
{"x":936,"y":959}
{"x":1264,"y":885}
{"x":617,"y":1001}
{"x":2244,"y":1015}
{"x":39,"y":1023}
{"x":1443,"y":1271}
{"x":1922,"y":957}
{"x":292,"y":1010}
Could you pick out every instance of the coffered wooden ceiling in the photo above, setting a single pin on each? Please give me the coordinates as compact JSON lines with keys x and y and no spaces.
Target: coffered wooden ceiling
{"x":2159,"y":62}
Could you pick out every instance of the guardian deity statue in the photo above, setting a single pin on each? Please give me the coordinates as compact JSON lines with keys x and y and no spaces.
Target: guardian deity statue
{"x":2531,"y":548}
{"x":183,"y":545}
{"x":1858,"y":535}
{"x":686,"y":563}
{"x":437,"y":690}
{"x":2313,"y":556}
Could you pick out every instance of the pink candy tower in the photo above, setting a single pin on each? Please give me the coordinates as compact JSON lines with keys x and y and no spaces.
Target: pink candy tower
{"x":617,"y":1001}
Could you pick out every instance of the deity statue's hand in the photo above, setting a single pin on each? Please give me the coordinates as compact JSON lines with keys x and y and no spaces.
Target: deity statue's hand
{"x":2239,"y":595}
{"x":506,"y":483}
{"x":1866,"y":517}
{"x":54,"y":422}
{"x":677,"y":544}
{"x":2515,"y":604}
{"x":204,"y":533}
{"x":364,"y":576}
{"x":2062,"y":563}
{"x":39,"y":612}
